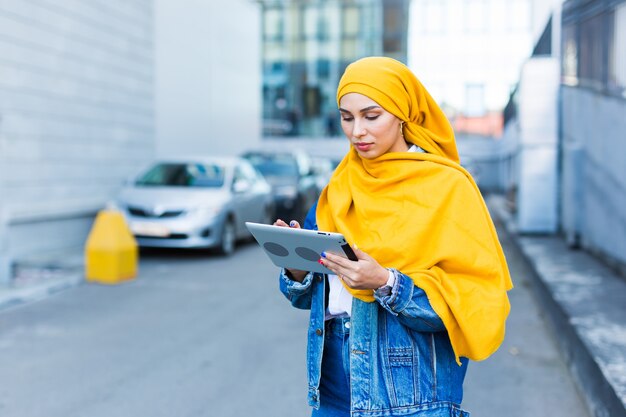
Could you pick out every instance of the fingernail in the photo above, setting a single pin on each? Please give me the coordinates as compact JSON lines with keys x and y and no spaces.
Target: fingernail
{"x":319,"y":261}
{"x":323,"y":254}
{"x":292,"y":223}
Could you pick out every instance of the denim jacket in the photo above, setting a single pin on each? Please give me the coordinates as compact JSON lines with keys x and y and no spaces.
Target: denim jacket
{"x":401,"y":360}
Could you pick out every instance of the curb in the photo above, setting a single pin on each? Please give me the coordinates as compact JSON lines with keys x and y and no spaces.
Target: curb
{"x":19,"y":295}
{"x":585,"y":305}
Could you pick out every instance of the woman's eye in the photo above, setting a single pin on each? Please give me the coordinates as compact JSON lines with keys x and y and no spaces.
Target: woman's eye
{"x":372,"y":117}
{"x":347,"y":119}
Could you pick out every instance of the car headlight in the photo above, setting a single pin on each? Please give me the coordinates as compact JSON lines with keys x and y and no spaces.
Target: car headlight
{"x":288,"y":191}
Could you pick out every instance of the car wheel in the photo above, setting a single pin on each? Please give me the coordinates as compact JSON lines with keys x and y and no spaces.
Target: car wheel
{"x":227,"y":241}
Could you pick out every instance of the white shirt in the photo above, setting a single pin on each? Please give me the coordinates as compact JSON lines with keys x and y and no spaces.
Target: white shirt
{"x":340,"y":299}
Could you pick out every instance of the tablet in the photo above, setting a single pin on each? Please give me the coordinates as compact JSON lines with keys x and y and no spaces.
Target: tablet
{"x":299,"y":248}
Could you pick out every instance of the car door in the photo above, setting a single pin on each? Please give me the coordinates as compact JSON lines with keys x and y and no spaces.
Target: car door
{"x":248,"y":198}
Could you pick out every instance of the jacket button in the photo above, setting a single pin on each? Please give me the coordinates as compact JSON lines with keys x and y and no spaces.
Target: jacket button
{"x":320,"y":278}
{"x":318,"y":332}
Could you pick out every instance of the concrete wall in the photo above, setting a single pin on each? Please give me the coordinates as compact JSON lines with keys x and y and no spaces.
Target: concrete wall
{"x":594,"y":171}
{"x":76,"y":115}
{"x":208,"y":77}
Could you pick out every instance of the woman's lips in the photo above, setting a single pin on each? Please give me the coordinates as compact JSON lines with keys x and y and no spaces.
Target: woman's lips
{"x":362,"y":146}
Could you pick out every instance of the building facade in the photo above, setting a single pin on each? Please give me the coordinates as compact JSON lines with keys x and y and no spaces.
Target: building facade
{"x":306,"y":47}
{"x":76,"y":116}
{"x":593,"y":127}
{"x":584,"y":167}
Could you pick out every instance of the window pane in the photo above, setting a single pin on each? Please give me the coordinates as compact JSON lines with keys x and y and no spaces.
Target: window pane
{"x":183,"y":175}
{"x":351,"y":21}
{"x":618,"y":71}
{"x":591,"y":58}
{"x":273,"y":25}
{"x":310,"y":22}
{"x":348,"y":50}
{"x":570,"y":56}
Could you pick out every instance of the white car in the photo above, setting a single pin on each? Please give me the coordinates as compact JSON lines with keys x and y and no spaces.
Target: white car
{"x":196,"y":203}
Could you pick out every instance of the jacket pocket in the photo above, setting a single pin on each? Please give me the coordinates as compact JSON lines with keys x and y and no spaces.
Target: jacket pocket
{"x":402,"y":369}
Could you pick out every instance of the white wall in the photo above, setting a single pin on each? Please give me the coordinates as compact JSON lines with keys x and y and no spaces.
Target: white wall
{"x":594,"y":174}
{"x":208,"y":76}
{"x":538,"y":142}
{"x":76,"y":115}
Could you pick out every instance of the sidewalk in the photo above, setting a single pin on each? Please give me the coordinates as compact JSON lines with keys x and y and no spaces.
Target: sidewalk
{"x":40,"y":275}
{"x":585,"y":304}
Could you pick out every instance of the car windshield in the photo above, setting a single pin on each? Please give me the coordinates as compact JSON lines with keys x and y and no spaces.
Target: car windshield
{"x":183,"y":175}
{"x":274,"y":165}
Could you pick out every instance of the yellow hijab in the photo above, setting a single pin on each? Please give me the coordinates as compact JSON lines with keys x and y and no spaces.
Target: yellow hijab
{"x":421,"y":213}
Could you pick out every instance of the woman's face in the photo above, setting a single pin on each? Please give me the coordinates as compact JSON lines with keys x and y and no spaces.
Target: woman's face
{"x":372,"y":130}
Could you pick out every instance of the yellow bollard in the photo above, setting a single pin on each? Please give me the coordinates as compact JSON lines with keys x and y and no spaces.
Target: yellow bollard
{"x":111,"y":250}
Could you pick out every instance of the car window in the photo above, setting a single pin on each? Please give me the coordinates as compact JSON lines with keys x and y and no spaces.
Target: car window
{"x":248,"y":172}
{"x":274,"y":165}
{"x":183,"y":175}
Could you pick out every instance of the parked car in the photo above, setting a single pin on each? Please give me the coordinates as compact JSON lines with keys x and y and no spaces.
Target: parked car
{"x":322,"y":168}
{"x":196,"y":203}
{"x":293,"y":183}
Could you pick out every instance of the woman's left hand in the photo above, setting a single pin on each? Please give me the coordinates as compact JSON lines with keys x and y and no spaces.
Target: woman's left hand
{"x":364,"y":274}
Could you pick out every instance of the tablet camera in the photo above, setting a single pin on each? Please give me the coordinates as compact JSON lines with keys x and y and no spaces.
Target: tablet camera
{"x":275,"y":249}
{"x":308,"y":254}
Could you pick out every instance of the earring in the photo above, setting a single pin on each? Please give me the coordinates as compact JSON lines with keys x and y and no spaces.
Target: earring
{"x":402,"y":129}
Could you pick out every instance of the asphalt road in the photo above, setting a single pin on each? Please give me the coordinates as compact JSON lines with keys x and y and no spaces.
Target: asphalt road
{"x":200,"y":335}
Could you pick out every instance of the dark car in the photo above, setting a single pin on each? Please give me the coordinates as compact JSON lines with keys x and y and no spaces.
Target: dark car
{"x":293,"y":184}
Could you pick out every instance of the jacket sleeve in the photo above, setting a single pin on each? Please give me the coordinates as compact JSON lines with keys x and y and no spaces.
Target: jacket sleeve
{"x":299,"y":293}
{"x":410,"y":304}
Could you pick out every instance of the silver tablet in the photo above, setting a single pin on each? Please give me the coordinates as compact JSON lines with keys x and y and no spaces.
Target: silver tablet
{"x":299,"y":248}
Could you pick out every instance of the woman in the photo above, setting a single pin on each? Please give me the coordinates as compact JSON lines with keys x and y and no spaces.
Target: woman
{"x":391,"y":333}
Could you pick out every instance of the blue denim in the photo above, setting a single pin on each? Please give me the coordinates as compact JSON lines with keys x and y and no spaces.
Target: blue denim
{"x":335,"y":379}
{"x":401,"y":362}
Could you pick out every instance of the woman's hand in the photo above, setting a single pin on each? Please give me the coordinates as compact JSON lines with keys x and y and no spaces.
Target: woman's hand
{"x":364,"y":274}
{"x":294,"y":274}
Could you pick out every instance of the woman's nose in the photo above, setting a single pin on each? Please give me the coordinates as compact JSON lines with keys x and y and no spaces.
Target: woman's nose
{"x":358,"y":129}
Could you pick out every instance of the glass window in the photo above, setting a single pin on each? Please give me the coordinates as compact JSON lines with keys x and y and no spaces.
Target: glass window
{"x":350,"y":21}
{"x":617,"y":74}
{"x":569,"y":57}
{"x":276,"y":165}
{"x":183,"y":175}
{"x":393,"y":19}
{"x":311,"y":24}
{"x":273,"y":25}
{"x":591,"y":53}
{"x":348,"y":49}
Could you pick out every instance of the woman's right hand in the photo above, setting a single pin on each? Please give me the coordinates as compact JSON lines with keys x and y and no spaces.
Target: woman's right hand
{"x":294,"y":274}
